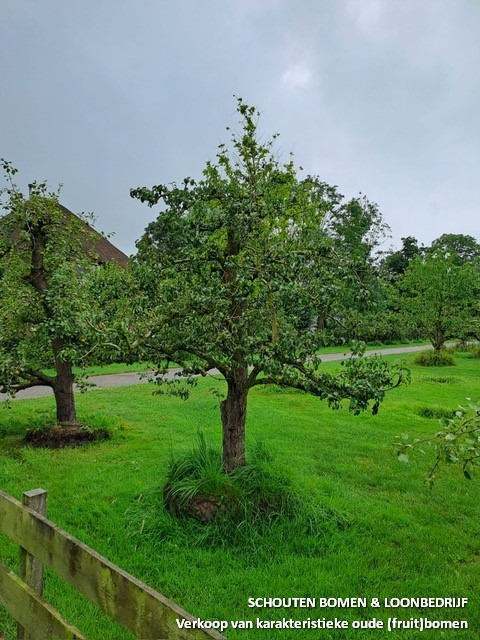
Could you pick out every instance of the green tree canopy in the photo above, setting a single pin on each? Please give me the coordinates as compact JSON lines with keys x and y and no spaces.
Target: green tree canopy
{"x":441,"y":295}
{"x":358,"y":228}
{"x":463,"y":247}
{"x":229,"y":267}
{"x":396,"y":263}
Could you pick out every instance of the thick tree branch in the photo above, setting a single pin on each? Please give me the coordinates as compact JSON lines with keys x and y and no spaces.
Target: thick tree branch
{"x":30,"y":374}
{"x":264,"y":381}
{"x":15,"y":388}
{"x":252,"y":377}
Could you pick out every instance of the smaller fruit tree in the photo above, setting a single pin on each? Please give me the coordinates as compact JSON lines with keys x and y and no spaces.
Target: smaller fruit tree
{"x":49,"y":315}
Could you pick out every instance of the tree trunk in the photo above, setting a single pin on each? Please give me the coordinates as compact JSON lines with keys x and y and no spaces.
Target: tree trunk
{"x":234,"y":413}
{"x":438,"y":339}
{"x":321,"y":324}
{"x":63,"y":389}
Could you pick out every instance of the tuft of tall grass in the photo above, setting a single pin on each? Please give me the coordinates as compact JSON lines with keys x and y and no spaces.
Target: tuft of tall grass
{"x":436,"y":413}
{"x":434,"y":359}
{"x":255,"y":507}
{"x":196,"y":473}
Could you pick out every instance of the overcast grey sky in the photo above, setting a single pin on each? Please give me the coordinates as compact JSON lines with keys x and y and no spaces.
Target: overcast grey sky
{"x":377,"y":96}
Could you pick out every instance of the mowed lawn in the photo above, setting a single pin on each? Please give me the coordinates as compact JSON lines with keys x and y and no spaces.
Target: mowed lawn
{"x":403,"y":539}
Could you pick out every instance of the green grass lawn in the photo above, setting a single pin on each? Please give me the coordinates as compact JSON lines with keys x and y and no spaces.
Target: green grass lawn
{"x":404,"y":540}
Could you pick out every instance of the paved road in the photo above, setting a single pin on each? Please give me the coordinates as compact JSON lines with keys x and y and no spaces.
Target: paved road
{"x":129,"y":379}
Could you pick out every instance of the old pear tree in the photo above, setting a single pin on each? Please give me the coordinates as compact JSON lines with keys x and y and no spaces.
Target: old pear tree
{"x":50,"y":286}
{"x":230,"y":267}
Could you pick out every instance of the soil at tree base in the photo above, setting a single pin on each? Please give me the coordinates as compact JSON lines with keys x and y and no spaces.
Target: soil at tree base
{"x":201,"y":507}
{"x":63,"y":436}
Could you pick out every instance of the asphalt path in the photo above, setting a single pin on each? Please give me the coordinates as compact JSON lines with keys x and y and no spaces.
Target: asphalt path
{"x":129,"y":379}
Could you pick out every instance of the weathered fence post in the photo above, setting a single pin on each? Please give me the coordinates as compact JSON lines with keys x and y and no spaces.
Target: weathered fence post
{"x":30,"y":569}
{"x":131,"y":603}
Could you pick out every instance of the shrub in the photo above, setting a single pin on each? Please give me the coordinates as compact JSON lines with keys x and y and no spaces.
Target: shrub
{"x":463,"y":346}
{"x":434,"y":359}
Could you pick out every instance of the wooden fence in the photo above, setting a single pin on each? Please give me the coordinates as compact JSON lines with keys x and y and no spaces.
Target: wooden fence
{"x":137,"y":607}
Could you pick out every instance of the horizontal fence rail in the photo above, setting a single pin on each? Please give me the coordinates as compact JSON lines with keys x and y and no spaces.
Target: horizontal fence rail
{"x":31,"y":611}
{"x":137,"y":607}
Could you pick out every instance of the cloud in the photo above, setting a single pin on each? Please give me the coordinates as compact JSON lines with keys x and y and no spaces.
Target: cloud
{"x":366,"y":15}
{"x":297,"y":76}
{"x":377,"y":96}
